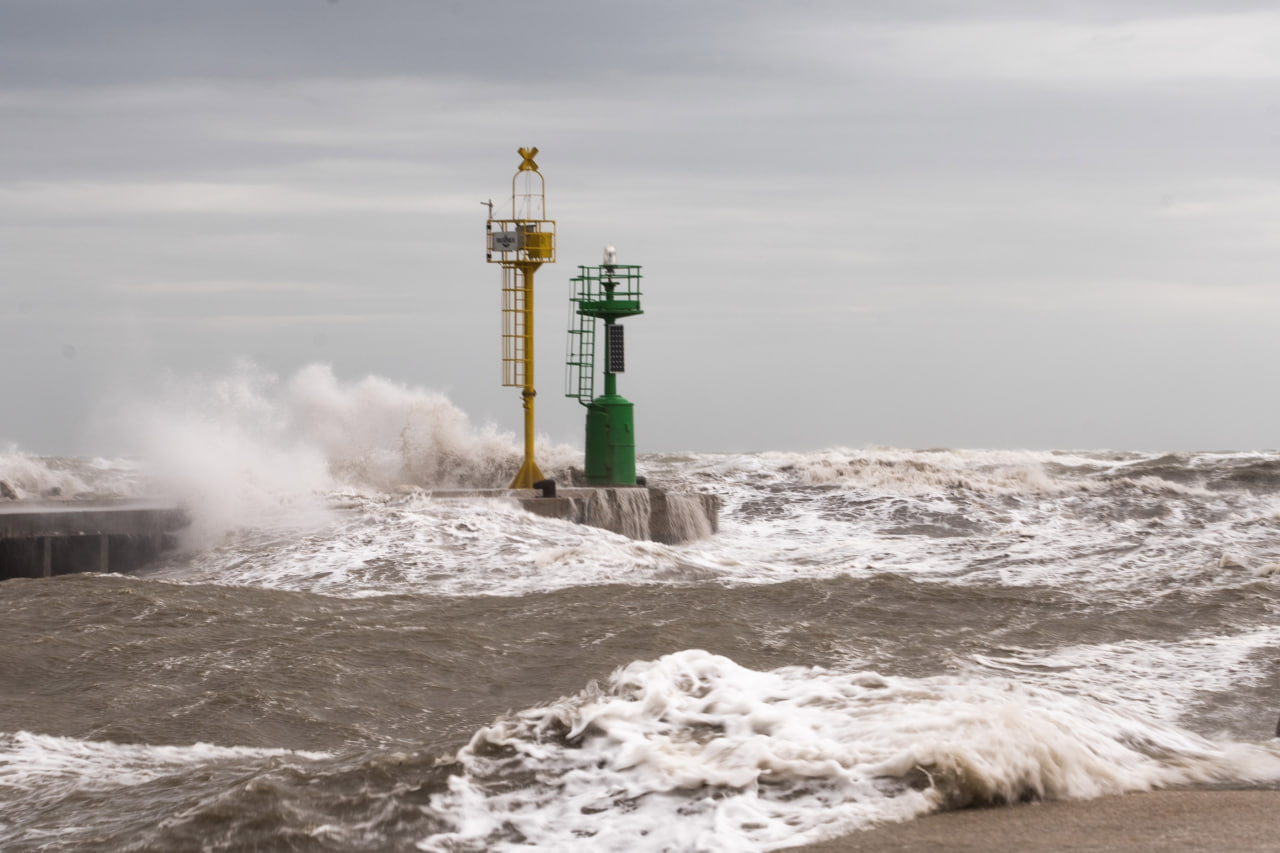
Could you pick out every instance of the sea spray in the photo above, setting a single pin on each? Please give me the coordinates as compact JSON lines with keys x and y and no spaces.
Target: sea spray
{"x":232,"y":454}
{"x":32,"y":477}
{"x":380,"y":434}
{"x":248,"y":450}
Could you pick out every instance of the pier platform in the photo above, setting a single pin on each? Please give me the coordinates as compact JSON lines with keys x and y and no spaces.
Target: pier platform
{"x":640,"y":512}
{"x":56,"y":537}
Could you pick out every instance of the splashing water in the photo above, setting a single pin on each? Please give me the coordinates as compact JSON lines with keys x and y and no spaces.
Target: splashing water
{"x":693,"y":751}
{"x":30,"y":477}
{"x":248,"y":449}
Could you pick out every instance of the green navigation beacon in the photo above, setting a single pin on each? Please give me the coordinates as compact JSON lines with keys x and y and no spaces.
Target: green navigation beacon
{"x":608,"y":292}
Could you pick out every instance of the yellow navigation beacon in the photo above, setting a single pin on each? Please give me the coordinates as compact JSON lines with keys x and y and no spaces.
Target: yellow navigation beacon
{"x":521,"y":244}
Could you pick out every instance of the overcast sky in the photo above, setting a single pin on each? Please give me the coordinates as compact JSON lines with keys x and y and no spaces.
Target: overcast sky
{"x":1001,"y":224}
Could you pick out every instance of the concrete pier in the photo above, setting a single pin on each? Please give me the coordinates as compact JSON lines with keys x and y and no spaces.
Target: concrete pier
{"x":636,"y":511}
{"x":46,"y":538}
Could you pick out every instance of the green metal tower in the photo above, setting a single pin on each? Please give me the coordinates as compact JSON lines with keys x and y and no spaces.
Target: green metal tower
{"x":608,"y":292}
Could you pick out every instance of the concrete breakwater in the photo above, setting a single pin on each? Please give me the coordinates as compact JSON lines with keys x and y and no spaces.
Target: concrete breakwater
{"x":640,"y":512}
{"x":57,"y":537}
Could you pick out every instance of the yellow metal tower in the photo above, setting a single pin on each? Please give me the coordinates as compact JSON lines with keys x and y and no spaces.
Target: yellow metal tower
{"x":521,"y":244}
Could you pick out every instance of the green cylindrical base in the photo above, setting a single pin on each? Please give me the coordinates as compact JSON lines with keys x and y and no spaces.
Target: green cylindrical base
{"x":611,"y":442}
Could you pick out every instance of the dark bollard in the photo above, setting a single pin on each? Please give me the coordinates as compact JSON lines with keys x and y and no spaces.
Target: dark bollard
{"x":547,"y":487}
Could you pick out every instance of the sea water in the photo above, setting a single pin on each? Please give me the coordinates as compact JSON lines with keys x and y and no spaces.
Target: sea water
{"x":338,"y":659}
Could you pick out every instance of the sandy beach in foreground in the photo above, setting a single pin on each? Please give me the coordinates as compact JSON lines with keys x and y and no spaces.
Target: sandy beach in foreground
{"x":1165,"y":821}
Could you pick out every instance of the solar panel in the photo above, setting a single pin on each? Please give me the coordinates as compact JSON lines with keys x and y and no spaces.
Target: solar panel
{"x":617,"y":357}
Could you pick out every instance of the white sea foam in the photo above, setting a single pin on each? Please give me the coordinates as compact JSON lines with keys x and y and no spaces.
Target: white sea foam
{"x":887,"y":470}
{"x":416,"y":543}
{"x":1119,"y":536}
{"x":914,"y":472}
{"x":50,"y":767}
{"x":1116,"y":522}
{"x":264,"y":460}
{"x":692,"y":751}
{"x":1157,"y":680}
{"x":42,"y":776}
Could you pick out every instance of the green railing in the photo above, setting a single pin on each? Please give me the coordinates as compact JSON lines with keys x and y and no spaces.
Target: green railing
{"x":608,"y":293}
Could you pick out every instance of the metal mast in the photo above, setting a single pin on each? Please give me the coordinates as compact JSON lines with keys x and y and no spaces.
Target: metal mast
{"x":521,"y":244}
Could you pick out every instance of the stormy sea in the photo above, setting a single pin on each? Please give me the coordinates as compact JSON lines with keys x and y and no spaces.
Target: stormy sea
{"x":335,"y":659}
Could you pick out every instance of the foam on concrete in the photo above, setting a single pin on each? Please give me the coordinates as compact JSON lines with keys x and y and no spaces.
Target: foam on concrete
{"x":639,"y":512}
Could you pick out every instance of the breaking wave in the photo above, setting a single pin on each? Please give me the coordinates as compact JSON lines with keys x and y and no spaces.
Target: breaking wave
{"x":692,"y":751}
{"x":249,"y":448}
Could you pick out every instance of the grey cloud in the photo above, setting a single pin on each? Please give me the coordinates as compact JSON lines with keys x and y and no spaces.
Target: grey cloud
{"x":885,"y":253}
{"x":89,"y":42}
